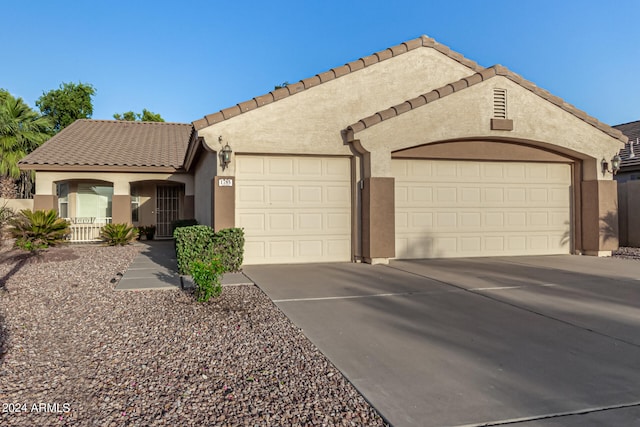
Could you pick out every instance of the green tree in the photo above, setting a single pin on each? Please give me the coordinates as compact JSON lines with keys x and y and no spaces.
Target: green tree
{"x":67,"y":104}
{"x":22,"y":130}
{"x":146,"y":116}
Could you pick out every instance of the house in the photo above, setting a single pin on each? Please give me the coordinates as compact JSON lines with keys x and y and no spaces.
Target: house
{"x":630,"y":153}
{"x":628,"y":178}
{"x":411,"y":152}
{"x":97,"y":171}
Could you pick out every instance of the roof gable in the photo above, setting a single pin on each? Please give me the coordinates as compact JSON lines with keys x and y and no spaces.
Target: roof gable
{"x":485,"y":74}
{"x":332,"y":74}
{"x":113,"y":143}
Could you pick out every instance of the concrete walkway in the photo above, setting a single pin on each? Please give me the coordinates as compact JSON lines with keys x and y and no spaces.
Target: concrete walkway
{"x":156,"y":267}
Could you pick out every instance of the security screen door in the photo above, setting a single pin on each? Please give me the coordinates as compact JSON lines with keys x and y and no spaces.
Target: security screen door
{"x":167,"y":208}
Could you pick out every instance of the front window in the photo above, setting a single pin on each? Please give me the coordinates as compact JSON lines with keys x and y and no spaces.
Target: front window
{"x":135,"y":204}
{"x":62,"y":191}
{"x":94,"y":201}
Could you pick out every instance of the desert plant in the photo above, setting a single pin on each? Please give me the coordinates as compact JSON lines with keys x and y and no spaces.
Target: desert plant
{"x":118,"y":234}
{"x":207,"y":275}
{"x":34,"y":230}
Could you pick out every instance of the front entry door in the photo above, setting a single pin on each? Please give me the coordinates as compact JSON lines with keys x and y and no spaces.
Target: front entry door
{"x":167,"y":208}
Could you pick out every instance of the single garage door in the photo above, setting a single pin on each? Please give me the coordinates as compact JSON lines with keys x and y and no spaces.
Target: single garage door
{"x":294,"y":209}
{"x":447,"y":208}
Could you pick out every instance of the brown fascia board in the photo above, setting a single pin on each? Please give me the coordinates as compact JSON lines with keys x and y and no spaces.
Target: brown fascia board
{"x":485,"y":74}
{"x":100,"y":168}
{"x":193,"y":150}
{"x":332,"y":74}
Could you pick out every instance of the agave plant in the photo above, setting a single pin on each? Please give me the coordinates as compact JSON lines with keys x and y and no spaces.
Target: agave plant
{"x":118,"y":234}
{"x":34,"y":230}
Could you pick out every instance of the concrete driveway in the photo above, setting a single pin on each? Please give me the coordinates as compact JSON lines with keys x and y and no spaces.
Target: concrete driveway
{"x":541,"y":341}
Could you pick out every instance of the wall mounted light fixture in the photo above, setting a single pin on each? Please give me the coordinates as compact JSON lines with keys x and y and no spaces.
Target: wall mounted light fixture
{"x":224,"y":154}
{"x":615,"y":165}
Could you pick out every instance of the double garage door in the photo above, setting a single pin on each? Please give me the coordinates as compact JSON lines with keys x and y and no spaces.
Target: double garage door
{"x":294,"y":209}
{"x":448,"y":208}
{"x":298,"y":209}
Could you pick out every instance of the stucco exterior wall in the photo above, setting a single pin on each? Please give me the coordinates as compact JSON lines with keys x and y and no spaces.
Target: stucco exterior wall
{"x":204,"y":172}
{"x":17,"y":204}
{"x":310,"y":122}
{"x":46,"y":181}
{"x":468,"y":113}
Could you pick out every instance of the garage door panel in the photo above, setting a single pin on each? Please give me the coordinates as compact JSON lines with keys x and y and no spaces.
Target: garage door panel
{"x":299,"y":210}
{"x":482,"y":209}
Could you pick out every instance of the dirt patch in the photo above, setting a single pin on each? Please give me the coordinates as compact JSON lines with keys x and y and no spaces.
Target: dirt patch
{"x":10,"y":255}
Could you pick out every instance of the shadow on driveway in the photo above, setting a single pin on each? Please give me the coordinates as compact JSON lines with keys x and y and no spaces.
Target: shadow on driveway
{"x":469,"y":341}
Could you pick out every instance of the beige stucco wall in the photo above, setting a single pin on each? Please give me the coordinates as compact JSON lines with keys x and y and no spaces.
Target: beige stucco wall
{"x":46,"y":181}
{"x":310,"y":122}
{"x":17,"y":204}
{"x":204,"y":172}
{"x":467,"y":114}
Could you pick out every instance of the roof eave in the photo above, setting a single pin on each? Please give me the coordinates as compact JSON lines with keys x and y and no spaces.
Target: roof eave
{"x":100,"y":168}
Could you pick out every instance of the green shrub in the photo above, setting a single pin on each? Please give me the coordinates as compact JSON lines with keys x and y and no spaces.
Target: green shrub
{"x":39,"y":229}
{"x":206,"y":275}
{"x":118,"y":234}
{"x":200,"y":242}
{"x":228,"y":246}
{"x":192,"y":243}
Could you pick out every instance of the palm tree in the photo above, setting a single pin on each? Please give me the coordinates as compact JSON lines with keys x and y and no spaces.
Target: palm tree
{"x":22,"y":130}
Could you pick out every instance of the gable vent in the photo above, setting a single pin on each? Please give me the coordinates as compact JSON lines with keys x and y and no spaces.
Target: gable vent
{"x":500,"y":103}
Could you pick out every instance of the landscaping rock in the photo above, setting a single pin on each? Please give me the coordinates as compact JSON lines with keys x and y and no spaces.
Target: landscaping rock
{"x":93,"y":356}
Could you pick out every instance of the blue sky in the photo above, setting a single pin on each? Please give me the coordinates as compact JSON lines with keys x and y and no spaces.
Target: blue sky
{"x":186,"y":59}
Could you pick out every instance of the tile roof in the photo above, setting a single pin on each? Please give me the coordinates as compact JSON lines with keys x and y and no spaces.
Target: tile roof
{"x":109,"y":143}
{"x":333,"y":73}
{"x":485,"y":74}
{"x":632,"y":131}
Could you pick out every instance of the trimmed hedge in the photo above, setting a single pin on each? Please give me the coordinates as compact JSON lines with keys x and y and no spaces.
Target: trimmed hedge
{"x":201,"y":243}
{"x":228,"y":247}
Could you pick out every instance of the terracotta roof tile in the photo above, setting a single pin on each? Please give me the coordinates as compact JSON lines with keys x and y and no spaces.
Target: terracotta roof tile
{"x":485,"y":74}
{"x":280,"y":93}
{"x":370,"y":60}
{"x":248,"y":105}
{"x":215,"y":118}
{"x":417,"y":102}
{"x":114,"y":143}
{"x":445,"y":90}
{"x":459,"y":85}
{"x":413,"y":44}
{"x":311,"y":82}
{"x":201,"y":123}
{"x":260,"y":100}
{"x":326,"y":76}
{"x":632,"y":131}
{"x":340,"y":71}
{"x":401,"y":108}
{"x":384,"y":54}
{"x":227,"y":113}
{"x":295,"y":87}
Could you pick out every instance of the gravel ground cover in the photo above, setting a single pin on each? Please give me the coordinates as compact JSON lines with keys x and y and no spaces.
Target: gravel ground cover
{"x":75,"y":352}
{"x":627,"y":253}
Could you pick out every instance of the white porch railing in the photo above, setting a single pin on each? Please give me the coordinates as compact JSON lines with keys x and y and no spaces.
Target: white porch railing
{"x":86,"y":229}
